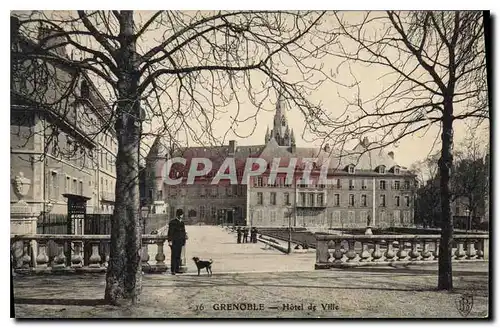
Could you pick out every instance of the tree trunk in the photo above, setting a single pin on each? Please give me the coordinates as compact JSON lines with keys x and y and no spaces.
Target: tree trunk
{"x":445,"y":280}
{"x":124,"y":275}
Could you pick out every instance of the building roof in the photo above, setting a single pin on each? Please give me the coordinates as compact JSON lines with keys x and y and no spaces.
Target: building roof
{"x":361,"y":157}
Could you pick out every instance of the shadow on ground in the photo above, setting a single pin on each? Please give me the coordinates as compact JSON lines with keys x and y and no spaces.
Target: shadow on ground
{"x":60,"y":301}
{"x":412,"y":271}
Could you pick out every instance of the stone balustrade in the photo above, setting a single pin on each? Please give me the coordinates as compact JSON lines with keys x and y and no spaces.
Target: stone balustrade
{"x":77,"y":253}
{"x":333,"y":251}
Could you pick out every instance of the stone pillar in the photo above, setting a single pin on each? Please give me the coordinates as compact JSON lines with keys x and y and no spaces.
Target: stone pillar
{"x":23,"y":217}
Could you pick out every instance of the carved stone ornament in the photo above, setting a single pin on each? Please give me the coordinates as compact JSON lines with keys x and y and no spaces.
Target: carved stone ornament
{"x":21,"y":185}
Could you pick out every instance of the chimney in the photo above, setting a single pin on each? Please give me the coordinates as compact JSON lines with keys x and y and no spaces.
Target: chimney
{"x":232,"y":147}
{"x":326,"y":148}
{"x":365,"y":142}
{"x":53,"y":44}
{"x":391,"y":154}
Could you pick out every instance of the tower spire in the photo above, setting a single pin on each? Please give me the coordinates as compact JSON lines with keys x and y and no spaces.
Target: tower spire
{"x":280,"y":126}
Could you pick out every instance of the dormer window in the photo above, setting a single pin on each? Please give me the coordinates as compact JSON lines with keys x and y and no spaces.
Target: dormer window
{"x":381,"y":169}
{"x":351,"y":169}
{"x":396,"y":169}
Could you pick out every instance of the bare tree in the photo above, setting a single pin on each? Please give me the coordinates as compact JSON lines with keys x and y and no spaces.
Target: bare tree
{"x":433,"y":73}
{"x":469,"y":182}
{"x":470,"y":178}
{"x":174,"y":74}
{"x":427,"y":203}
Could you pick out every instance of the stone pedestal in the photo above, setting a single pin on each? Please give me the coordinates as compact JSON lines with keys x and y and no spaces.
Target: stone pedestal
{"x":23,"y":222}
{"x":23,"y":219}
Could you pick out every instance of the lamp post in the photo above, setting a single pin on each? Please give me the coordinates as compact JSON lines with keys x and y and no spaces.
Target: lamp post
{"x":289,"y":213}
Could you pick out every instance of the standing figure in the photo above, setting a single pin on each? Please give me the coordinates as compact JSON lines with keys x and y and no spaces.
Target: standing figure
{"x":238,"y":239}
{"x":176,"y":240}
{"x":245,"y":235}
{"x":253,"y":235}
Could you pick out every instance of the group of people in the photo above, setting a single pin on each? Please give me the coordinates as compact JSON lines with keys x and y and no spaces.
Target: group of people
{"x":242,"y":235}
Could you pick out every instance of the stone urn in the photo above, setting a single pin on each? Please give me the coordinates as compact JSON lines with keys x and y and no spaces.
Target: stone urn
{"x":21,"y":186}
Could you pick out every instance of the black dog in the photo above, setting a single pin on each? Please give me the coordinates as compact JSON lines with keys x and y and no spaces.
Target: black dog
{"x":203,"y":264}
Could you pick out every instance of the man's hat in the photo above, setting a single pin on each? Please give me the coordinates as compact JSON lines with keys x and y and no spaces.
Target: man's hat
{"x":179,"y":212}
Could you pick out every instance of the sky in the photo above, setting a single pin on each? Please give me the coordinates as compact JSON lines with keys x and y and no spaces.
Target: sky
{"x":410,"y":150}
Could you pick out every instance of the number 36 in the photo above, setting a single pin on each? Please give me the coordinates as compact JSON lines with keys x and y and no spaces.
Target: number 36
{"x":199,"y":307}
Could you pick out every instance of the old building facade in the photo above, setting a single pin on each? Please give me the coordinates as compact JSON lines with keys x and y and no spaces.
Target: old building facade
{"x":66,"y":148}
{"x":367,"y":188}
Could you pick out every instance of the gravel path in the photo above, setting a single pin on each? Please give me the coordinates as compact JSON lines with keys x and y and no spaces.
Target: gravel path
{"x":367,"y":293}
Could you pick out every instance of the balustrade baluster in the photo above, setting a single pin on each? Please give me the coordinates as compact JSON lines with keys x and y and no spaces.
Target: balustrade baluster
{"x":414,"y":254}
{"x":145,"y":256}
{"x":95,"y":258}
{"x":16,"y":253}
{"x":459,"y":252}
{"x":160,"y":256}
{"x":436,"y":249}
{"x":426,"y":254}
{"x":389,"y":253}
{"x":26,"y":259}
{"x":107,"y":250}
{"x":59,"y":261}
{"x":42,"y":260}
{"x":402,"y":253}
{"x":365,"y":254}
{"x":338,"y":254}
{"x":351,"y":253}
{"x":480,"y":249}
{"x":377,"y":254}
{"x":471,"y":252}
{"x":33,"y":247}
{"x":76,"y":254}
{"x":331,"y":245}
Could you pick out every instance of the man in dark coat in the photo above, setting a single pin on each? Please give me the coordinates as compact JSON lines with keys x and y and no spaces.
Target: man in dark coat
{"x":245,"y":235}
{"x":176,"y":239}
{"x":253,"y":235}
{"x":238,"y":238}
